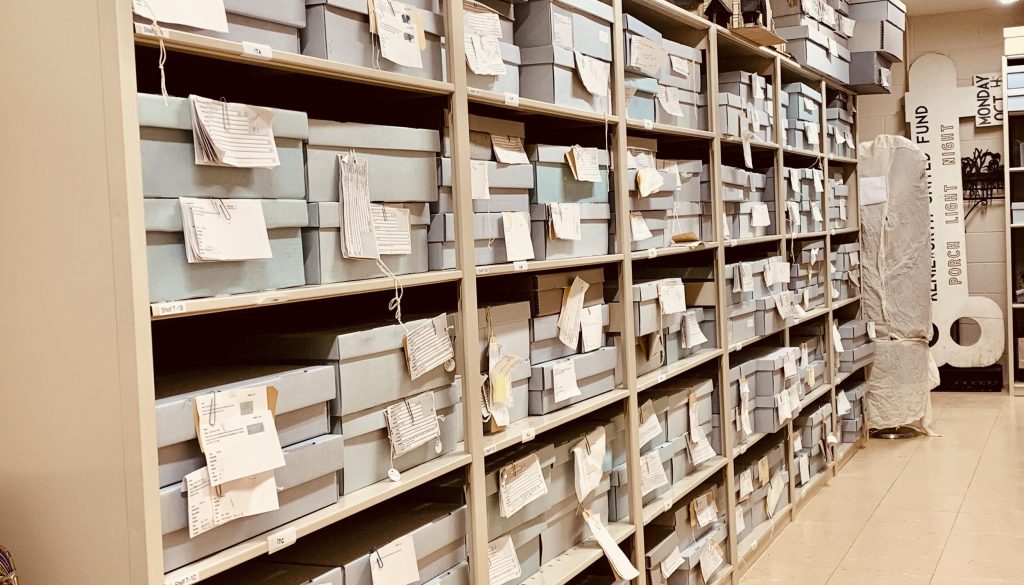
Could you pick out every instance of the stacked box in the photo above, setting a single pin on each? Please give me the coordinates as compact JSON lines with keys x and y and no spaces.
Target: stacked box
{"x":505,"y":331}
{"x":876,"y":44}
{"x":549,"y":35}
{"x":274,"y":24}
{"x":808,"y":273}
{"x":745,"y":104}
{"x":680,"y":86}
{"x":508,"y":82}
{"x":339,"y":30}
{"x":852,"y":422}
{"x":169,"y":172}
{"x":809,"y":338}
{"x":814,"y":430}
{"x":838,"y":209}
{"x":805,"y":190}
{"x":739,"y":403}
{"x":746,"y":194}
{"x":858,"y":347}
{"x":841,"y":141}
{"x":314,"y":458}
{"x":663,"y":339}
{"x":846,"y":277}
{"x":817,"y":34}
{"x":776,"y":395}
{"x":1015,"y":91}
{"x":803,"y":117}
{"x":752,"y":310}
{"x":596,"y":371}
{"x":679,"y":530}
{"x":509,"y":192}
{"x":386,"y":165}
{"x":554,"y":183}
{"x":755,"y":505}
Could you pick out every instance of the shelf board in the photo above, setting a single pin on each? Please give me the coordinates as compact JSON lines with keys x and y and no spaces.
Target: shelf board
{"x":1017,"y":169}
{"x":750,"y":241}
{"x":345,"y":507}
{"x":524,"y":430}
{"x":672,"y":250}
{"x":841,"y":377}
{"x":679,"y":490}
{"x":801,"y":152}
{"x":808,"y":490}
{"x":538,"y":265}
{"x":812,"y":314}
{"x":846,"y":230}
{"x":669,"y":130}
{"x":674,"y":369}
{"x":724,"y":572}
{"x":843,"y":302}
{"x":805,"y":236}
{"x":1018,"y":305}
{"x":537,"y":107}
{"x":727,"y":139}
{"x":760,"y":537}
{"x":231,"y":51}
{"x":169,"y":309}
{"x":740,"y":345}
{"x":670,"y":11}
{"x":561,"y":569}
{"x":842,"y":160}
{"x":1016,"y":225}
{"x":816,"y":394}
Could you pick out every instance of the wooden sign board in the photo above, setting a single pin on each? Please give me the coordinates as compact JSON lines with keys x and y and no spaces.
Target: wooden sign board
{"x":988,"y":99}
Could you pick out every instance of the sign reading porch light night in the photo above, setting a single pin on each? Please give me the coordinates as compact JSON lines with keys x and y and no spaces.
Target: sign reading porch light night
{"x":934,"y":107}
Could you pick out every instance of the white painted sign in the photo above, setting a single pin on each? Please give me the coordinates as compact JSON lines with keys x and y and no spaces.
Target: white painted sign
{"x":934,"y":107}
{"x":988,"y":99}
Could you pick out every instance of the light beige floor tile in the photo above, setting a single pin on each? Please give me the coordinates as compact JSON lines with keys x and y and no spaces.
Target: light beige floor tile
{"x":887,"y":551}
{"x":982,"y":556}
{"x":1006,"y":522}
{"x":928,"y":501}
{"x":785,"y":573}
{"x":954,"y":580}
{"x":866,"y":576}
{"x":911,"y":521}
{"x":810,"y":544}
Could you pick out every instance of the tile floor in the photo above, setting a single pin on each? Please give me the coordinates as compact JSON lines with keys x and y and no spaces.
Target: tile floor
{"x":930,"y":510}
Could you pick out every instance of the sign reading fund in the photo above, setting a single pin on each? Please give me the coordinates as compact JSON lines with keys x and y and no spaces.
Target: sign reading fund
{"x":934,"y":107}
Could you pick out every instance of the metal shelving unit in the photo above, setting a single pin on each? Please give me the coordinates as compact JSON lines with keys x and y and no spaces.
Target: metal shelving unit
{"x":1013,"y":54}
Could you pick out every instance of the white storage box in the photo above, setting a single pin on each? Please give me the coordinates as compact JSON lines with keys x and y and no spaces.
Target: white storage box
{"x":594,"y":219}
{"x":595,"y":374}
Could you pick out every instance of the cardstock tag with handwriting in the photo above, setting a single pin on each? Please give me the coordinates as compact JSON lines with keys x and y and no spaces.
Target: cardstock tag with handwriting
{"x":395,"y":563}
{"x":502,"y":562}
{"x":428,"y":346}
{"x":520,"y":483}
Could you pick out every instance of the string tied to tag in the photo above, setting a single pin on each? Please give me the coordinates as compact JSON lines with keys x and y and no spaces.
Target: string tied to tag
{"x":162,"y":58}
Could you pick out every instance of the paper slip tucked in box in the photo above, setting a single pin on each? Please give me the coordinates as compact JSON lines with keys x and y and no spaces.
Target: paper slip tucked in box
{"x":307,"y":483}
{"x":400,"y":162}
{"x":618,"y":503}
{"x":499,"y":176}
{"x":679,"y":517}
{"x":325,"y":264}
{"x":266,"y":22}
{"x":437,"y":532}
{"x":576,"y":25}
{"x":550,"y":74}
{"x":301,"y":413}
{"x":270,"y":573}
{"x":509,"y":326}
{"x":681,"y":107}
{"x":172,"y":277}
{"x":554,"y":180}
{"x":544,"y":342}
{"x":644,"y":89}
{"x":366,"y":436}
{"x":893,"y":11}
{"x":595,"y":374}
{"x":815,"y":425}
{"x":642,"y":42}
{"x":480,"y":130}
{"x":548,"y":289}
{"x":498,"y":525}
{"x":682,"y":67}
{"x":594,"y":218}
{"x":339,"y":30}
{"x":505,"y":83}
{"x":565,"y":526}
{"x":168,"y":156}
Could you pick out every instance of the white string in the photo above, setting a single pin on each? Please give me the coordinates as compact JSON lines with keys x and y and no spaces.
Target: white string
{"x":395,"y":304}
{"x":162,"y":59}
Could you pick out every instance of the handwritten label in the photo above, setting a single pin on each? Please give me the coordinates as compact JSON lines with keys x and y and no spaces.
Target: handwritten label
{"x":282,"y":539}
{"x":189,"y":579}
{"x":257,"y":51}
{"x":511,"y":99}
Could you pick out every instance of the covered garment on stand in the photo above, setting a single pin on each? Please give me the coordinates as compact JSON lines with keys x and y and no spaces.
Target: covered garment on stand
{"x":896,"y":279}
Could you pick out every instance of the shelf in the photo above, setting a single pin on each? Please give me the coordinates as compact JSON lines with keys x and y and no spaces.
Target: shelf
{"x":806,"y":236}
{"x":845,"y":451}
{"x":538,"y":265}
{"x":524,"y":430}
{"x":846,"y":230}
{"x":1016,"y":225}
{"x":816,"y":394}
{"x":231,"y":51}
{"x":670,"y":11}
{"x":1018,"y":305}
{"x":750,"y":442}
{"x":673,"y":250}
{"x":812,"y":314}
{"x":754,"y":143}
{"x":669,"y":130}
{"x":740,"y":345}
{"x":536,"y":107}
{"x":842,"y":160}
{"x":1017,"y":169}
{"x":809,"y":489}
{"x":345,"y":507}
{"x":168,"y":309}
{"x":674,"y":369}
{"x":843,"y":302}
{"x":801,"y":152}
{"x":724,"y":572}
{"x":679,"y":490}
{"x":574,"y":561}
{"x":751,"y":241}
{"x":760,"y":537}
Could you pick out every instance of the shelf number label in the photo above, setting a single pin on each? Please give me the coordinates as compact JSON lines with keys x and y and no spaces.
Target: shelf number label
{"x":170,"y":309}
{"x":282,"y":539}
{"x":257,"y":51}
{"x":511,"y":99}
{"x":652,"y":253}
{"x":648,"y":125}
{"x":528,"y":435}
{"x":149,"y":29}
{"x":520,"y":265}
{"x":189,"y":579}
{"x":490,"y":449}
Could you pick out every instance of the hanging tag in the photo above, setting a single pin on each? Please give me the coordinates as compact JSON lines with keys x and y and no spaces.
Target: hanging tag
{"x":837,"y":340}
{"x":519,"y":484}
{"x":842,"y":403}
{"x":672,"y":296}
{"x":652,"y":473}
{"x":650,"y":426}
{"x":395,"y":563}
{"x":565,"y":383}
{"x":570,"y":316}
{"x":746,"y":483}
{"x":588,"y":459}
{"x":621,"y":566}
{"x":673,"y":561}
{"x":479,"y":179}
{"x":711,"y":558}
{"x":502,"y":562}
{"x":871,"y":330}
{"x":638,"y":227}
{"x":428,"y":346}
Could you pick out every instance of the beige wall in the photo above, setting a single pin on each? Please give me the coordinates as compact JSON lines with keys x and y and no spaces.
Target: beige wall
{"x":974,"y":40}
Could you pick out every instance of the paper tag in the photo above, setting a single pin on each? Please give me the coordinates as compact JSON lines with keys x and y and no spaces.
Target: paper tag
{"x":519,"y":484}
{"x":650,"y":426}
{"x":816,"y":212}
{"x":748,"y":157}
{"x":701,"y":451}
{"x":648,"y":181}
{"x":842,"y":403}
{"x":871,"y":330}
{"x":520,"y":265}
{"x":668,"y":98}
{"x":208,"y":14}
{"x":693,"y":334}
{"x":583,"y":162}
{"x":570,"y":316}
{"x":209,"y":507}
{"x":789,"y":364}
{"x":672,"y":296}
{"x":673,"y":561}
{"x":645,"y":55}
{"x":395,"y":563}
{"x":621,"y":566}
{"x":281,"y":539}
{"x":561,"y":30}
{"x":588,"y":458}
{"x":837,"y":340}
{"x":638,"y":227}
{"x":591,"y":327}
{"x":391,"y":229}
{"x":509,"y":150}
{"x":741,"y":523}
{"x":511,"y":99}
{"x":241,"y":446}
{"x":763,"y":473}
{"x":775,"y":488}
{"x":710,"y":560}
{"x":411,"y":422}
{"x":652,"y":473}
{"x":479,"y":179}
{"x":805,"y":468}
{"x":502,"y":561}
{"x":746,"y":277}
{"x":518,"y":242}
{"x":428,"y":346}
{"x":594,"y":73}
{"x":355,"y":215}
{"x":759,"y":215}
{"x":705,"y":508}
{"x":399,"y":32}
{"x":680,"y":65}
{"x":565,"y":383}
{"x":222,"y":230}
{"x":746,"y":483}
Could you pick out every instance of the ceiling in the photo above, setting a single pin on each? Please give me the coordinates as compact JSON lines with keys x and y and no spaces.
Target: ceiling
{"x":922,"y":7}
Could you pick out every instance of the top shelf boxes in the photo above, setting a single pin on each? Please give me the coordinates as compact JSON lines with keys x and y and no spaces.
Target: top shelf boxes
{"x":275,"y":23}
{"x":817,"y":35}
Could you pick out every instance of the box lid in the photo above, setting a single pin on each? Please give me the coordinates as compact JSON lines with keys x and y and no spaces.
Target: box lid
{"x":595,"y":8}
{"x":164,"y":215}
{"x":287,"y":12}
{"x":634,"y":25}
{"x":547,"y":153}
{"x":176,"y":113}
{"x":327,"y":215}
{"x":344,"y":135}
{"x":680,"y":50}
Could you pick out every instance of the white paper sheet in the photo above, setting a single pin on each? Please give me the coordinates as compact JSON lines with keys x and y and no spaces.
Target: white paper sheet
{"x":591,"y":327}
{"x":398,"y":33}
{"x":224,"y":230}
{"x":650,"y":426}
{"x":638,"y":227}
{"x":480,"y":181}
{"x":672,"y":296}
{"x":509,"y":150}
{"x":241,"y":446}
{"x":518,"y":243}
{"x":571,"y":314}
{"x":645,"y":55}
{"x":872,"y":190}
{"x":620,"y":563}
{"x":594,"y":74}
{"x":652,"y":473}
{"x":583,"y":162}
{"x":564,"y":381}
{"x":502,"y":562}
{"x":565,"y":221}
{"x":395,"y":563}
{"x":391,"y":230}
{"x":588,"y":458}
{"x":428,"y":346}
{"x":519,"y":484}
{"x":204,"y":14}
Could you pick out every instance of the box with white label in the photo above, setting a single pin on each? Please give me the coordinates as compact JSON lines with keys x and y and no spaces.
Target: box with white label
{"x":481,"y":128}
{"x":642,"y":103}
{"x":437,"y":532}
{"x":573,"y":25}
{"x":689,"y":572}
{"x":820,"y":50}
{"x":595,"y":373}
{"x":508,"y":326}
{"x":505,"y":83}
{"x":325,"y":263}
{"x":594,"y":219}
{"x":366,"y":436}
{"x":551,"y":74}
{"x":815,"y":425}
{"x":682,"y":67}
{"x":308,"y":482}
{"x":554,"y":181}
{"x":548,"y":290}
{"x":488,"y":236}
{"x":401,"y":163}
{"x":169,"y":168}
{"x":841,"y":141}
{"x":680,"y":516}
{"x":878,"y":35}
{"x":274,"y":23}
{"x":643,"y":46}
{"x":497,"y":525}
{"x":172,"y":277}
{"x":544,"y":342}
{"x":303,"y":396}
{"x":339,"y":30}
{"x":685,"y":108}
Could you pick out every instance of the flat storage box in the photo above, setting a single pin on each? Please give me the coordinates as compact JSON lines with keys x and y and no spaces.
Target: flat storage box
{"x":1016,"y":212}
{"x":645,"y":90}
{"x":480,"y":130}
{"x":633,"y":27}
{"x":878,"y":35}
{"x":438,"y":532}
{"x":893,"y":11}
{"x":488,"y":240}
{"x":575,"y":25}
{"x":507,"y":83}
{"x":325,"y":264}
{"x":509,"y":326}
{"x":852,"y":360}
{"x":366,"y":437}
{"x":670,"y":76}
{"x":870,"y":72}
{"x":275,"y":23}
{"x":555,"y":183}
{"x":694,"y":108}
{"x":544,"y":342}
{"x":818,"y":51}
{"x":548,"y":74}
{"x":266,"y":573}
{"x":549,"y":289}
{"x":498,"y":525}
{"x":169,"y":169}
{"x":339,"y":30}
{"x":172,"y":277}
{"x":499,"y":176}
{"x":307,"y":483}
{"x":594,"y":220}
{"x":302,"y":408}
{"x":595,"y":374}
{"x":401,"y":163}
{"x":851,"y":429}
